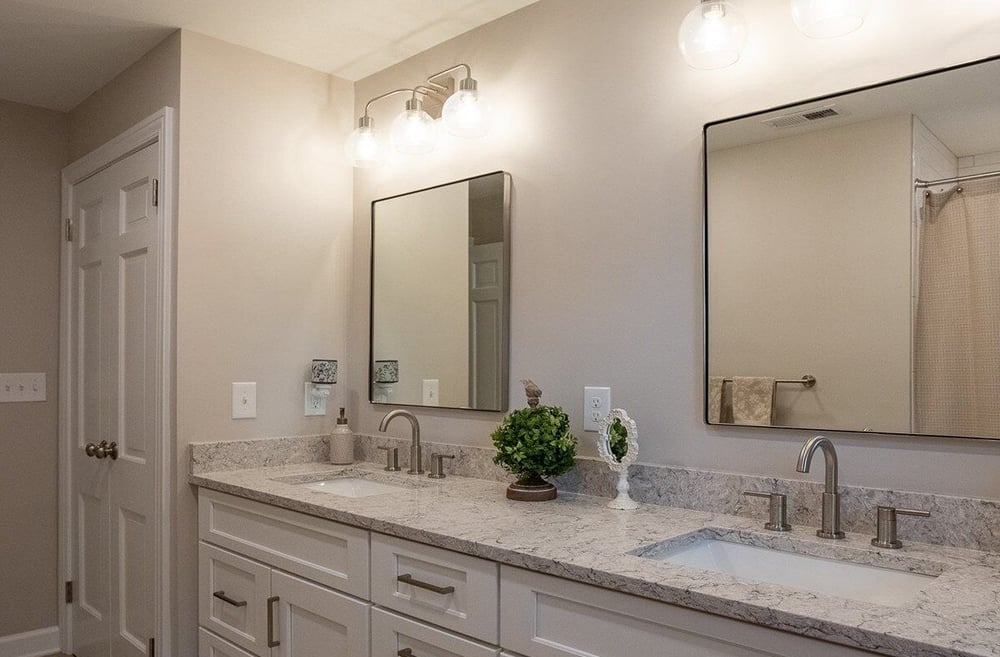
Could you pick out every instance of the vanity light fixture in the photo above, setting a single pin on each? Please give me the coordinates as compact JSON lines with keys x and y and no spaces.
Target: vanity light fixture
{"x":824,"y":19}
{"x":712,"y":35}
{"x":464,"y":113}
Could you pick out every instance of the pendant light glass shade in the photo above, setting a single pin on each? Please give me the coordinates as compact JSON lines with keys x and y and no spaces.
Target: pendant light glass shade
{"x":823,"y":19}
{"x":414,"y":131}
{"x":466,"y":113}
{"x":712,"y":35}
{"x":362,"y":148}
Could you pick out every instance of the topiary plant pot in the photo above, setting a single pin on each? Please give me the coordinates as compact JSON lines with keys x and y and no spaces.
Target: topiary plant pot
{"x":531,"y":489}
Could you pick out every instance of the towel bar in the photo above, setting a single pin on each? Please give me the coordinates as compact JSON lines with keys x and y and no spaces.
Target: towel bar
{"x":807,"y":381}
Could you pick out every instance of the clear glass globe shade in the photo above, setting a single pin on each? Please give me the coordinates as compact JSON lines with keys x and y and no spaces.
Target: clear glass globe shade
{"x":824,"y":19}
{"x":466,"y":114}
{"x":712,"y":35}
{"x":362,"y":148}
{"x":414,"y":132}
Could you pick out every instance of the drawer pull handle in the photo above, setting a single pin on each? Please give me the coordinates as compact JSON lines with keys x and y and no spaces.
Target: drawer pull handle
{"x":405,"y":652}
{"x":221,"y":595}
{"x":408,"y":579}
{"x":271,"y":641}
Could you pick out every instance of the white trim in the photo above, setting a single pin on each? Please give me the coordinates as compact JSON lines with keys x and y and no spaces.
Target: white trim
{"x":30,"y":644}
{"x":157,"y":128}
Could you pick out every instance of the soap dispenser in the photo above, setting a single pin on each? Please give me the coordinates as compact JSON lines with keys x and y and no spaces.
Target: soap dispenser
{"x":342,"y":442}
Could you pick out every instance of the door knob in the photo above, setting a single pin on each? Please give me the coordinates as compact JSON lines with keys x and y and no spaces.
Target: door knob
{"x":90,"y":449}
{"x":111,"y":450}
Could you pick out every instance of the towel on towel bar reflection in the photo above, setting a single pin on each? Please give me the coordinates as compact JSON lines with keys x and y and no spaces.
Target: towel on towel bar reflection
{"x":749,"y":401}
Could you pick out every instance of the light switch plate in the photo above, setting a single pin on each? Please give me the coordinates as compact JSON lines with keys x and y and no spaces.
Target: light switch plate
{"x":596,"y":405}
{"x":22,"y":387}
{"x":244,"y":400}
{"x":431,"y":389}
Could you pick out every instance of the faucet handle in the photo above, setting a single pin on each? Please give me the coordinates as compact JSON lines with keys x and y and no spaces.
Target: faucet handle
{"x":777,"y":511}
{"x":437,"y":465}
{"x":885,"y":525}
{"x":391,"y":459}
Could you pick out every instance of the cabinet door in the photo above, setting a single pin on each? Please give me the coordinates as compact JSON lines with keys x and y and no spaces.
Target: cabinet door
{"x":232,"y":597}
{"x":313,"y":621}
{"x":393,"y":635}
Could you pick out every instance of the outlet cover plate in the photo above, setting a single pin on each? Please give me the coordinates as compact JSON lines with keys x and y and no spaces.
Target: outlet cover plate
{"x":596,"y":405}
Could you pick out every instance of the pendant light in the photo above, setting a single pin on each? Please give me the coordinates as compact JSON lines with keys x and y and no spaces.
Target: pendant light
{"x":414,"y":131}
{"x":824,"y":19}
{"x":712,"y":35}
{"x":363,"y":148}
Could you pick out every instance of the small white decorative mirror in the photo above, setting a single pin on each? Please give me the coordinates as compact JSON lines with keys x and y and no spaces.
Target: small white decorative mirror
{"x":618,"y":445}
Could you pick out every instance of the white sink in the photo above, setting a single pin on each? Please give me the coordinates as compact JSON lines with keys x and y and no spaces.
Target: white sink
{"x":842,"y":579}
{"x":352,"y":487}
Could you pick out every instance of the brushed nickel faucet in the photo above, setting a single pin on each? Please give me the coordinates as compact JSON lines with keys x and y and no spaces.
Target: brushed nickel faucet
{"x":830,"y":525}
{"x":416,"y":464}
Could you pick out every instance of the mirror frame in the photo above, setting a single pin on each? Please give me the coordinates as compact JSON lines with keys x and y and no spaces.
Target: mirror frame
{"x":705,"y":236}
{"x":505,"y":339}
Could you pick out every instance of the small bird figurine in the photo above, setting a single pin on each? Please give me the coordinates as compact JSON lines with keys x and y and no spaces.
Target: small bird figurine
{"x":532,"y":392}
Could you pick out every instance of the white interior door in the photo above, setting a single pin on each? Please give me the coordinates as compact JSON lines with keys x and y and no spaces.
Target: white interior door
{"x":486,"y":322}
{"x":114,"y":330}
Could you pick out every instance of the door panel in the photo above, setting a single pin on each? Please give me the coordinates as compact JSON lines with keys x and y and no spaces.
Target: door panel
{"x":314,"y":620}
{"x":113,"y":389}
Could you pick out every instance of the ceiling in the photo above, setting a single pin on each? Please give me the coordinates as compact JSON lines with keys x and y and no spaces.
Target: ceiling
{"x":55,"y":53}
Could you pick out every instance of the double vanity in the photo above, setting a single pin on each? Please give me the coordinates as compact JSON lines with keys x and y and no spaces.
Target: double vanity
{"x":385,"y":563}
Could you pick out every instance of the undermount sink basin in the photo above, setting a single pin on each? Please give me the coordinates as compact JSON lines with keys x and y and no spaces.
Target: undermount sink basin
{"x":353,"y":482}
{"x":842,"y":579}
{"x":352,"y":487}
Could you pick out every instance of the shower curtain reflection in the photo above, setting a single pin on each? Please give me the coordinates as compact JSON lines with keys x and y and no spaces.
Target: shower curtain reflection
{"x":956,"y":351}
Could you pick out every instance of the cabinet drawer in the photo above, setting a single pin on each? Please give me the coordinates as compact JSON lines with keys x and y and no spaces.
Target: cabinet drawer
{"x":321,"y":550}
{"x":392,"y":634}
{"x":232,"y":595}
{"x":210,"y":645}
{"x":452,"y":590}
{"x":545,"y":616}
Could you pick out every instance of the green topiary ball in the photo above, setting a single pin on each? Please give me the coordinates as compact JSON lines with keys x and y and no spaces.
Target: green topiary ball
{"x":535,"y":442}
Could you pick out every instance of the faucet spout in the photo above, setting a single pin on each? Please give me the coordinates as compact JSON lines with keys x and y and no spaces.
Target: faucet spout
{"x":416,"y":462}
{"x":830,"y":524}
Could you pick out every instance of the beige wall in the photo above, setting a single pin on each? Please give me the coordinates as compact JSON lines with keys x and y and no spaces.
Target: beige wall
{"x":33,"y":154}
{"x":140,"y":90}
{"x":599,"y":122}
{"x":263,"y":255}
{"x":422,"y":314}
{"x":808,"y":234}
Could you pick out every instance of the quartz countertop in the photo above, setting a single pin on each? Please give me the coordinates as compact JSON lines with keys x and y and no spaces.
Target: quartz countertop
{"x":577,"y":537}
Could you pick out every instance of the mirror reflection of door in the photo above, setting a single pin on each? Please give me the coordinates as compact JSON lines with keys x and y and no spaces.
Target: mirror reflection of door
{"x":440,"y":271}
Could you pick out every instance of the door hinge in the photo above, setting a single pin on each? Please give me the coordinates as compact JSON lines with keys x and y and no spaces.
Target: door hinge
{"x":151,"y":647}
{"x":69,"y":230}
{"x":156,"y":192}
{"x":69,"y":592}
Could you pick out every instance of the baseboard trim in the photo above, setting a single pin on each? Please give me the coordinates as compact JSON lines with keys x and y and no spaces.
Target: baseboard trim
{"x":36,"y":643}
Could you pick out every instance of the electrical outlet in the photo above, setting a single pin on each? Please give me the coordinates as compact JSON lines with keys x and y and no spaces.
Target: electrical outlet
{"x":315,"y":398}
{"x":244,"y":400}
{"x":596,"y":406}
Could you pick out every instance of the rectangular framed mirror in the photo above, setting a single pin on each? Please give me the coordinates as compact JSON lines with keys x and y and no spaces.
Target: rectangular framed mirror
{"x":440,"y":296}
{"x":853,"y":260}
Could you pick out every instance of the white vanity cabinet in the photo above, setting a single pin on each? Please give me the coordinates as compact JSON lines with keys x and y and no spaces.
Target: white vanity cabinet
{"x":255,"y":594}
{"x":278,"y":583}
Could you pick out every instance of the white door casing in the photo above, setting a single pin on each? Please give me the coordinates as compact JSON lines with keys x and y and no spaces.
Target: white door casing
{"x":115,"y":384}
{"x":486,"y":324}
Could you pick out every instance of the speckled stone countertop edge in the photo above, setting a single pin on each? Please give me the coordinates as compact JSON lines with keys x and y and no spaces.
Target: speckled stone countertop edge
{"x":858,"y":625}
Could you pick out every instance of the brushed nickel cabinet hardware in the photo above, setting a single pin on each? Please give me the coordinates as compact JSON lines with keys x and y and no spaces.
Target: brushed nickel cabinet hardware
{"x":408,"y":579}
{"x":156,"y":192}
{"x":271,"y":641}
{"x":777,"y":510}
{"x":69,"y":230}
{"x":151,"y":647}
{"x":221,"y":595}
{"x":69,"y":592}
{"x":885,"y":525}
